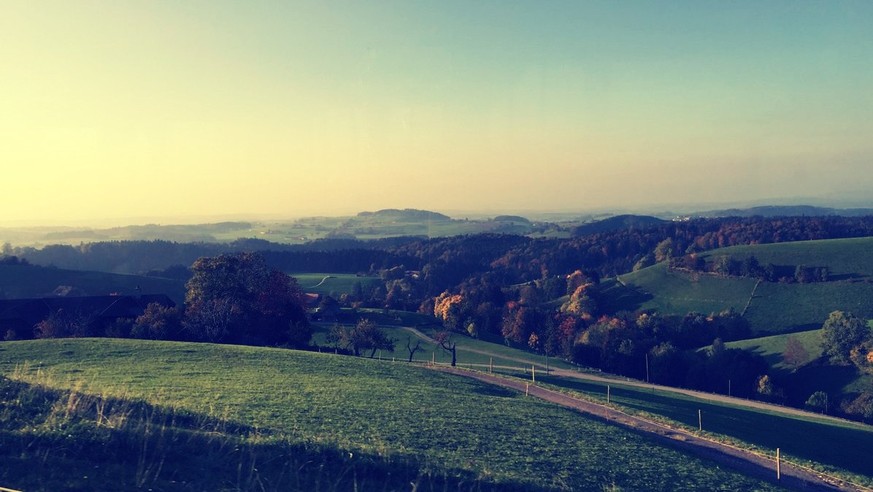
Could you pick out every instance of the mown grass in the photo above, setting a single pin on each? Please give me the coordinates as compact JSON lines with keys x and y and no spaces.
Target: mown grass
{"x":391,"y":411}
{"x":803,"y":439}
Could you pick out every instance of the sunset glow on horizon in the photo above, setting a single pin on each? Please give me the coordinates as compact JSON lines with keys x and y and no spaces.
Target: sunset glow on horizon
{"x":135,"y":109}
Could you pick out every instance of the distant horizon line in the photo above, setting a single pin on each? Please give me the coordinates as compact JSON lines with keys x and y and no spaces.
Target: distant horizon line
{"x":454,"y":213}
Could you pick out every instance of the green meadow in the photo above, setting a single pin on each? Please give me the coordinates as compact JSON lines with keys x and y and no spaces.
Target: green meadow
{"x":471,"y":352}
{"x":333,"y":283}
{"x":780,"y":308}
{"x":22,"y":281}
{"x":338,"y":409}
{"x":674,"y":292}
{"x":846,"y":259}
{"x":772,"y":348}
{"x":770,"y":308}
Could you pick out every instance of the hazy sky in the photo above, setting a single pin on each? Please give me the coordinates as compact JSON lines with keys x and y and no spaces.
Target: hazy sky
{"x":165,"y":108}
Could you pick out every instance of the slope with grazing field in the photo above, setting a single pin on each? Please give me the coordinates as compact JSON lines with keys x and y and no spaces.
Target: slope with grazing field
{"x":24,"y":281}
{"x":772,"y":348}
{"x":782,"y":308}
{"x":333,"y":283}
{"x":676,"y":292}
{"x":846,"y":259}
{"x":770,"y":308}
{"x":387,"y":412}
{"x":471,"y":352}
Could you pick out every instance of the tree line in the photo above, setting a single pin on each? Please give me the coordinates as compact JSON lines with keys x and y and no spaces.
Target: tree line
{"x":231,"y":298}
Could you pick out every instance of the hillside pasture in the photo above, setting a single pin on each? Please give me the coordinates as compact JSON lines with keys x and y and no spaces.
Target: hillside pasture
{"x":772,"y":348}
{"x":471,"y":352}
{"x":846,"y":259}
{"x":771,"y":308}
{"x":388,"y":411}
{"x":333,"y":283}
{"x":26,"y":281}
{"x":782,"y":308}
{"x":673,"y":292}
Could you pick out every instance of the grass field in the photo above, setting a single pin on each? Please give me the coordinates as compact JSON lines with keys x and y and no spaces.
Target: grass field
{"x":333,"y":283}
{"x":845,"y":258}
{"x":466,"y":353}
{"x":771,"y":308}
{"x":772,"y":347}
{"x":376,"y":409}
{"x":672,"y":292}
{"x":20,"y":281}
{"x":801,"y":439}
{"x":780,"y":308}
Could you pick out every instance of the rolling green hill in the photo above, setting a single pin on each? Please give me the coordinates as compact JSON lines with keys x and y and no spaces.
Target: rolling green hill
{"x":847,"y":259}
{"x":340,"y":411}
{"x":327,"y":283}
{"x":772,"y":348}
{"x":805,"y":378}
{"x":770,"y":308}
{"x":675,"y":292}
{"x":23,"y":281}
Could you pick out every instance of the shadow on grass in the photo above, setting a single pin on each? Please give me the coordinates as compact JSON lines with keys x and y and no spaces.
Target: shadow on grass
{"x":818,"y":376}
{"x":61,"y":440}
{"x":619,"y":297}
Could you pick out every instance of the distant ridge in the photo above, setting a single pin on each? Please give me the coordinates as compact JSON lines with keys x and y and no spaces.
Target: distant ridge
{"x":511,"y":218}
{"x":617,"y":223}
{"x":785,"y":211}
{"x":409,"y":214}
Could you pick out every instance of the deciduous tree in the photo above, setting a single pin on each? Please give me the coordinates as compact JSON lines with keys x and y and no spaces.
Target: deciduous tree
{"x":795,"y":354}
{"x":842,"y":332}
{"x":238,"y":299}
{"x":158,"y":322}
{"x":445,"y":339}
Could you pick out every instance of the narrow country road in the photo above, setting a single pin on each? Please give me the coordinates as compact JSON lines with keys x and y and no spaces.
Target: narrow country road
{"x":606,"y":379}
{"x":752,"y":464}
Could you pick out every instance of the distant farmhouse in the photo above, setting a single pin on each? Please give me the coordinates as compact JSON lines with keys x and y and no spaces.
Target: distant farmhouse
{"x":18,"y":317}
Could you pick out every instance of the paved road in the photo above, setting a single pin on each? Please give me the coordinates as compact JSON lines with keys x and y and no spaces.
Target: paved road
{"x":745,"y":461}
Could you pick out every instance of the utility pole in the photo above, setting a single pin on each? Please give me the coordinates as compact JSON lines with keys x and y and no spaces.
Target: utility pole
{"x":647,"y":368}
{"x":778,"y":465}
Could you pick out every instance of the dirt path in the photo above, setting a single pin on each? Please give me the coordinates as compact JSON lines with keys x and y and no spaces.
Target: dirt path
{"x":746,"y":462}
{"x":322,"y":282}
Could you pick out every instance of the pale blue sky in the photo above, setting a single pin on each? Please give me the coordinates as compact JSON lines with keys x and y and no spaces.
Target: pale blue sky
{"x":112,"y":109}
